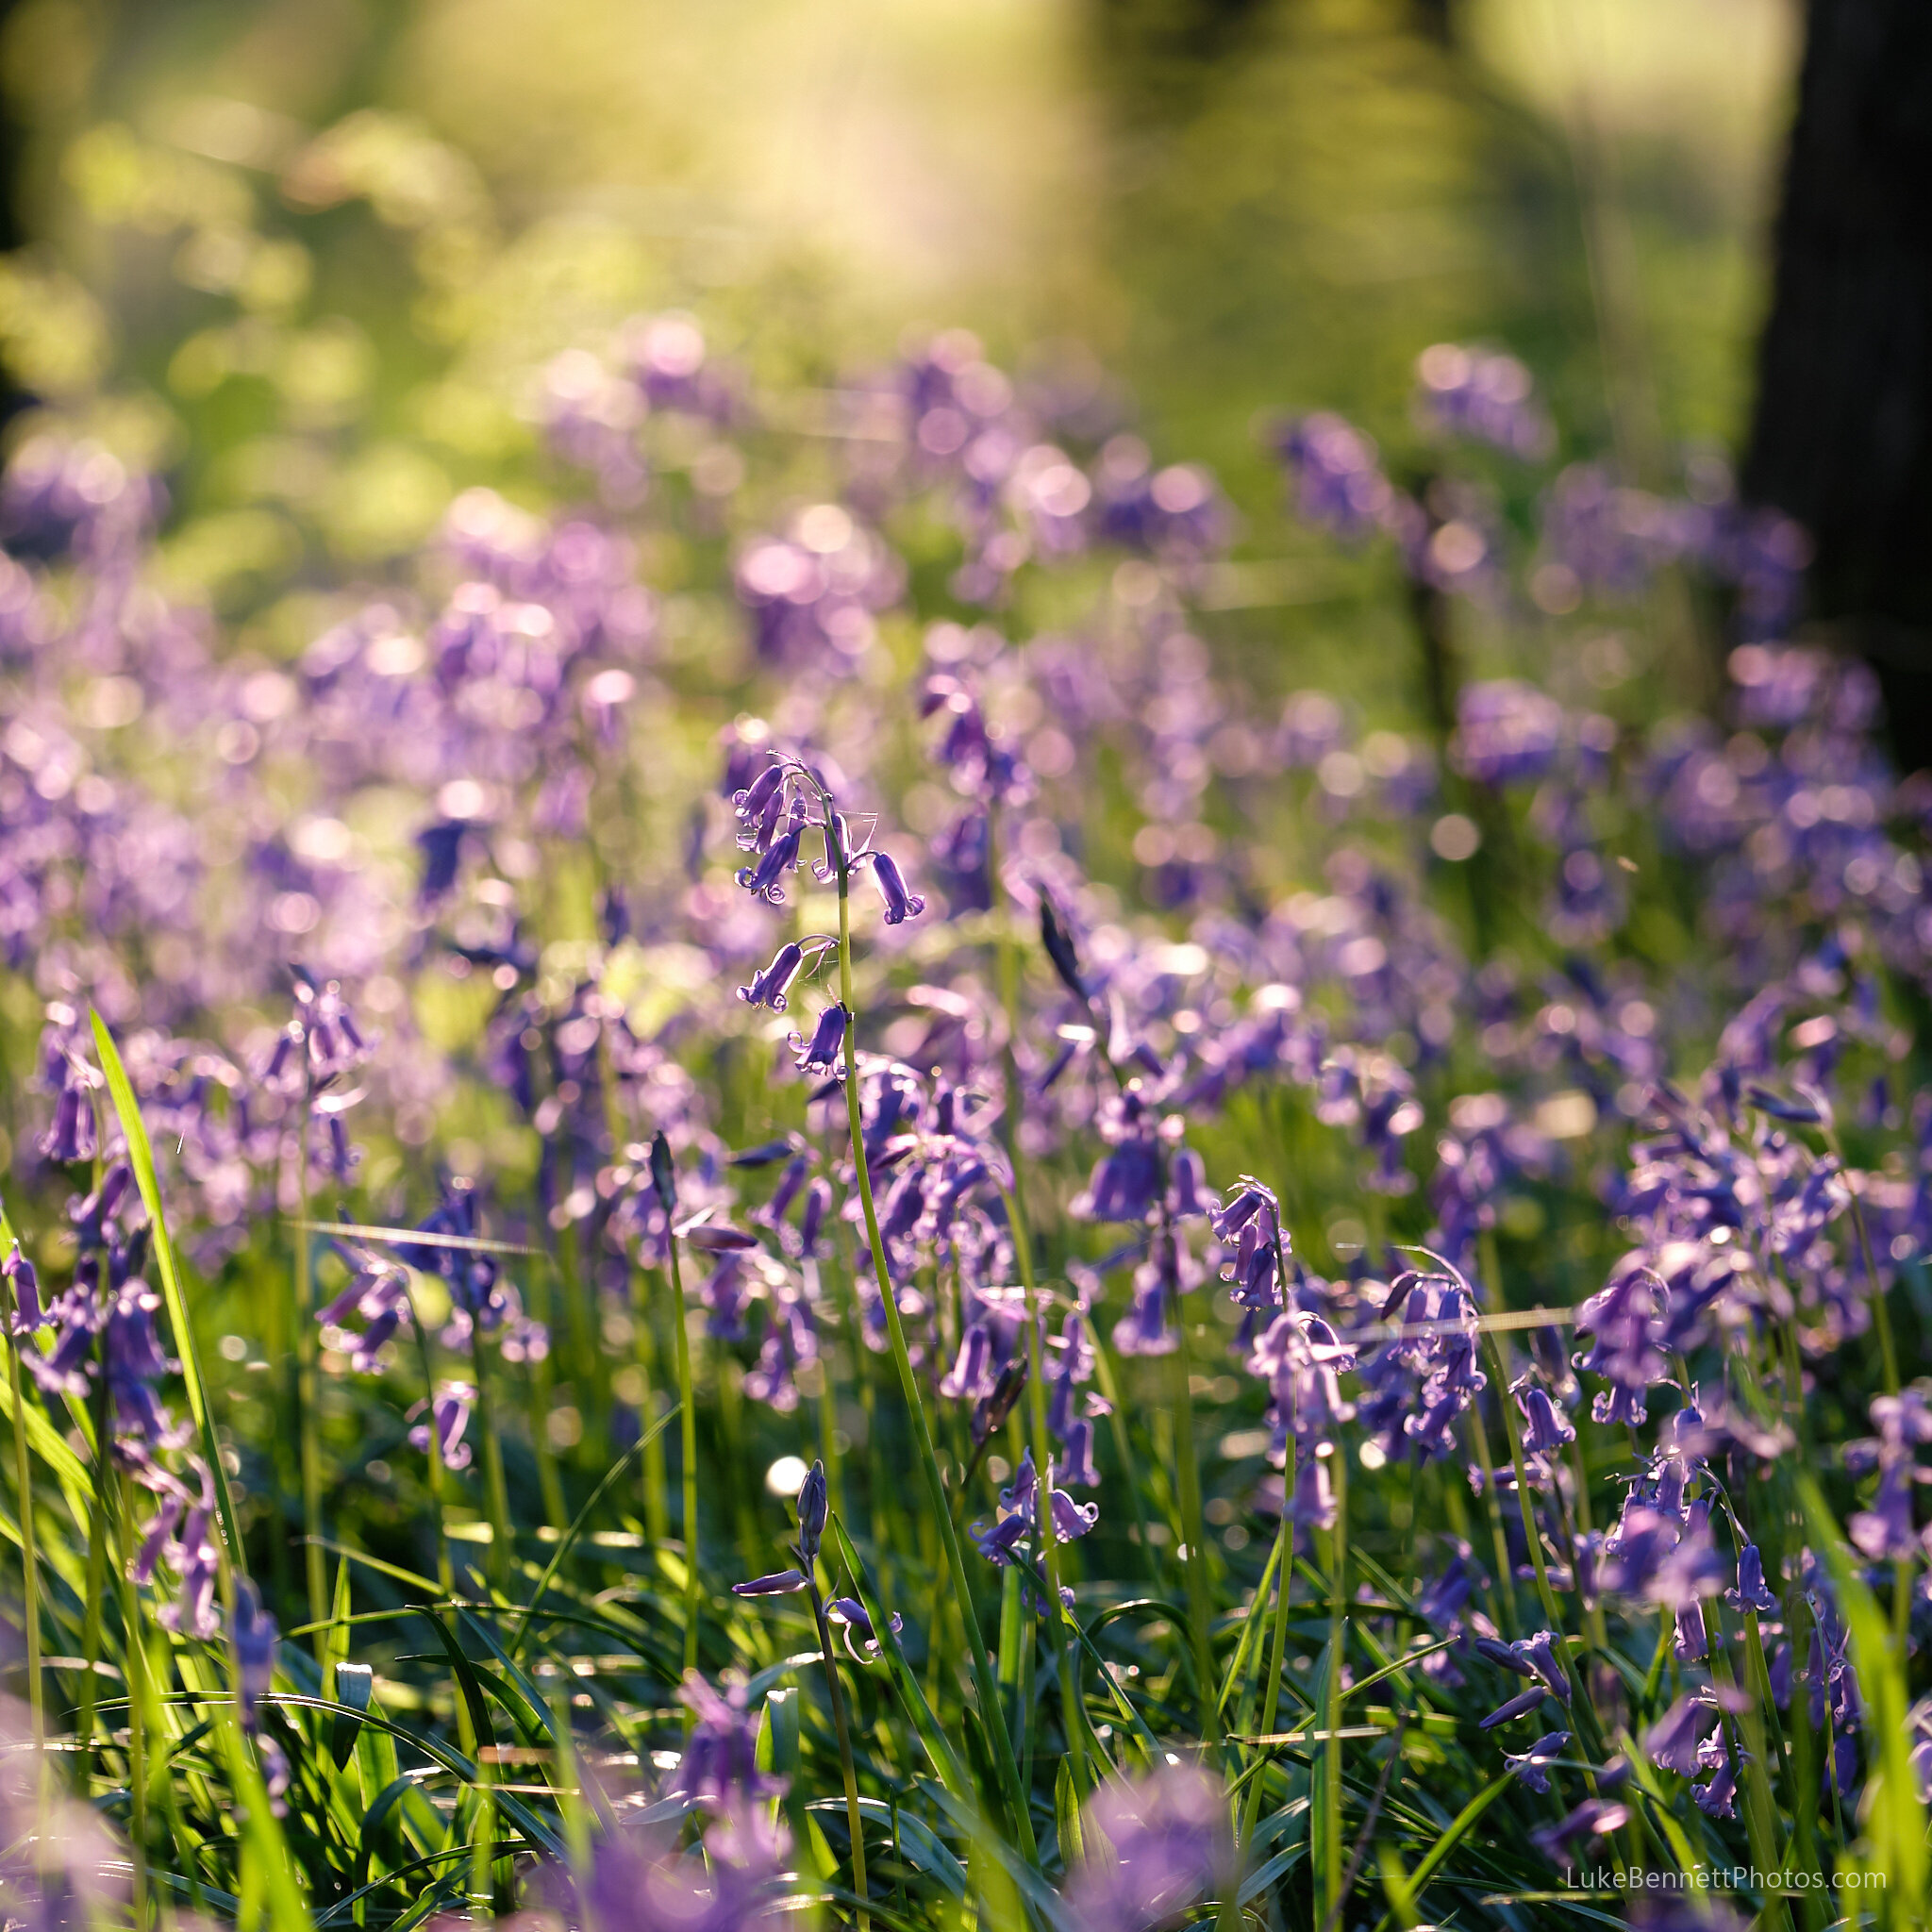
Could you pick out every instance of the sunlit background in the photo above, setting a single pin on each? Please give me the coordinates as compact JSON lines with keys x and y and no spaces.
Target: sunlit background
{"x":294,"y":249}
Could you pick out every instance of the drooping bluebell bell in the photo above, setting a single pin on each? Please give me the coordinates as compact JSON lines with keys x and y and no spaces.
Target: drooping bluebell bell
{"x":901,"y":904}
{"x":26,"y":1316}
{"x":1673,"y":1743}
{"x":454,"y":1402}
{"x":853,"y":1618}
{"x":1751,"y":1593}
{"x":824,"y":1053}
{"x":1533,"y":1765}
{"x":193,"y":1558}
{"x":72,"y":1136}
{"x":1024,"y":1506}
{"x":1715,"y":1797}
{"x":1622,"y":1321}
{"x":1593,"y":1818}
{"x":1311,"y":1504}
{"x":1539,"y":1652}
{"x":779,"y":1583}
{"x":1126,"y":1182}
{"x":1546,"y":1430}
{"x":1520,"y":1706}
{"x":254,"y":1639}
{"x":377,"y":1294}
{"x":769,"y":988}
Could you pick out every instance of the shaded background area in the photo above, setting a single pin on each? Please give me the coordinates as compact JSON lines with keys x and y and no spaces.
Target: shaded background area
{"x":295,"y":247}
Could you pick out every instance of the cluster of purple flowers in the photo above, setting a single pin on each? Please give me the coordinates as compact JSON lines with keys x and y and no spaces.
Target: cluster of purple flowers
{"x":482,"y":853}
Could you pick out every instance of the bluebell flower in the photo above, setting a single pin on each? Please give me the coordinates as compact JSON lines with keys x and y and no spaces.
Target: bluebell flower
{"x":1126,"y":1184}
{"x":769,"y":988}
{"x":1338,"y":482}
{"x":974,"y":1372}
{"x":1520,"y":1706}
{"x":1485,"y":394}
{"x":1674,"y":1741}
{"x":901,"y":904}
{"x":779,"y":1583}
{"x":441,"y":846}
{"x":1022,"y":1507}
{"x":1547,"y":1430}
{"x":1593,"y":1818}
{"x":1539,"y":1654}
{"x":71,"y":1138}
{"x":454,"y":1401}
{"x":822,"y":1053}
{"x":1312,"y":1504}
{"x":1751,"y":1593}
{"x":765,"y":880}
{"x":1533,"y":1765}
{"x":28,"y":1315}
{"x":852,"y":1616}
{"x":1077,"y":1465}
{"x":194,"y":1559}
{"x":1622,"y":1321}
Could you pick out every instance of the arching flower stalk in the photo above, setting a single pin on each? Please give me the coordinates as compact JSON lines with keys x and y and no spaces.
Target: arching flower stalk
{"x":664,"y":1183}
{"x":790,"y":791}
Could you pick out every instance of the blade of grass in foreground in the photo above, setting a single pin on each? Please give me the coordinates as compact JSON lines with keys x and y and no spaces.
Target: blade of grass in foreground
{"x":140,"y":1158}
{"x":1895,"y":1819}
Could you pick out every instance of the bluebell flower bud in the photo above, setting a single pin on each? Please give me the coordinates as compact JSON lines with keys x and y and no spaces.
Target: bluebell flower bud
{"x":780,"y":1583}
{"x":814,"y":1503}
{"x":1059,"y":948}
{"x":663,"y":1175}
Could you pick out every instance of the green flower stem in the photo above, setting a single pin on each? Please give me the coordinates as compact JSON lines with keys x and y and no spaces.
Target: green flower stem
{"x":23,"y":1476}
{"x":495,"y":1495}
{"x":657,"y":1517}
{"x":1760,"y":1812}
{"x":445,"y":1575}
{"x":1506,"y":1585}
{"x":985,"y":1683}
{"x":1531,"y":1535}
{"x":1199,"y":1600}
{"x":1048,"y":1555}
{"x":307,"y":1401}
{"x":1338,"y":1637}
{"x":96,"y":1589}
{"x":1282,"y":1565}
{"x":835,"y":1691}
{"x":688,"y":1441}
{"x":134,"y":1663}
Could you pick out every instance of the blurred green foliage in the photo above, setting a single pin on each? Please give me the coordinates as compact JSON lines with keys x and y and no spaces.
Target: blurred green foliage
{"x":307,"y":257}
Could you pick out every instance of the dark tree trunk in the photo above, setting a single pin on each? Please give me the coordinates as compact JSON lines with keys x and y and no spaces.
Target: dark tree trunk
{"x":1842,"y":438}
